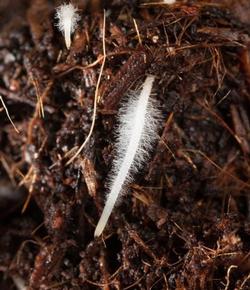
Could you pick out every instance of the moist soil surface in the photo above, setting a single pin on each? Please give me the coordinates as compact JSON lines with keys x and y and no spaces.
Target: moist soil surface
{"x":184,"y":222}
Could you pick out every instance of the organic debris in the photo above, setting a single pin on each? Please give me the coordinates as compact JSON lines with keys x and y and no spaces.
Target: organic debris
{"x":185,"y":222}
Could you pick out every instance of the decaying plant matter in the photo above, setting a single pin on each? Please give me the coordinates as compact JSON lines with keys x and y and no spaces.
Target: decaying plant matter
{"x":185,"y":223}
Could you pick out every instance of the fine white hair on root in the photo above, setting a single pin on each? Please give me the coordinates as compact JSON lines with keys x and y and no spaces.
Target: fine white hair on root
{"x":169,"y":1}
{"x":136,"y":133}
{"x":19,"y":282}
{"x":67,"y":21}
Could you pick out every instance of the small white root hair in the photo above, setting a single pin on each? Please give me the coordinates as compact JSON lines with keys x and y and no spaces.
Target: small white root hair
{"x":19,"y":283}
{"x":67,"y":21}
{"x":169,"y":2}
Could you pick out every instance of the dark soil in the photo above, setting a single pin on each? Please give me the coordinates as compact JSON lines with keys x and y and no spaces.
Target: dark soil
{"x":185,"y":221}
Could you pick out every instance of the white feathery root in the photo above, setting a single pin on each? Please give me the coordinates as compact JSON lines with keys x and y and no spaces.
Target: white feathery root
{"x":169,"y":2}
{"x":67,"y":21}
{"x":19,"y":283}
{"x":136,"y":133}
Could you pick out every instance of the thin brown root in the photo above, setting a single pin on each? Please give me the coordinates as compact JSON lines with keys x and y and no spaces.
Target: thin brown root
{"x":244,"y":282}
{"x":8,"y":115}
{"x":221,"y":121}
{"x":39,"y":98}
{"x":228,"y":275}
{"x":30,"y":192}
{"x":137,"y":32}
{"x":244,"y":184}
{"x":97,"y":97}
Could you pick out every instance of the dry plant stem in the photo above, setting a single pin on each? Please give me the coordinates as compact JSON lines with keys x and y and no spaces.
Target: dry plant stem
{"x":96,"y":95}
{"x":7,"y":113}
